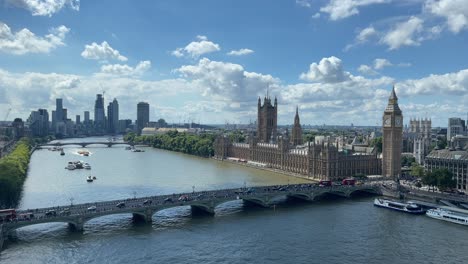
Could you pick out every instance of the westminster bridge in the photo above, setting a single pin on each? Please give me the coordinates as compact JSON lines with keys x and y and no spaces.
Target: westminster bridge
{"x":143,"y":208}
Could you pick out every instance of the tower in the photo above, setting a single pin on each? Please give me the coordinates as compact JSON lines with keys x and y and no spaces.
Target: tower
{"x":266,"y":119}
{"x":392,"y":138}
{"x":296,"y":138}
{"x":142,"y":116}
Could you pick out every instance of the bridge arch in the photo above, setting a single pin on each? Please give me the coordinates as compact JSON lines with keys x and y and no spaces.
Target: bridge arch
{"x":365,"y":191}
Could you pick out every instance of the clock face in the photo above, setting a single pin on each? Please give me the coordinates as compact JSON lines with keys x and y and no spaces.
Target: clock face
{"x":387,"y":121}
{"x":398,"y":121}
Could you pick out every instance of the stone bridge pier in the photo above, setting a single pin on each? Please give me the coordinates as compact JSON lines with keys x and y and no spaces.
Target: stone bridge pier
{"x":145,"y":216}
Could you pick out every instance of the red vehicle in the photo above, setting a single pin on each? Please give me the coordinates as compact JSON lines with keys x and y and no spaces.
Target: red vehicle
{"x":325,"y":183}
{"x":348,"y":182}
{"x":7,"y":215}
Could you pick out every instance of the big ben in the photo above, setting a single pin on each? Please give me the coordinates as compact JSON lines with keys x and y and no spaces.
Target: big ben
{"x":392,"y":138}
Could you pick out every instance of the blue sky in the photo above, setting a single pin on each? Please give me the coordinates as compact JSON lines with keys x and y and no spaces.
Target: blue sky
{"x":209,"y":60}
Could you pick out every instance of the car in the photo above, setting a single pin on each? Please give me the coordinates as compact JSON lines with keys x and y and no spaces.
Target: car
{"x":92,"y":208}
{"x":51,"y":213}
{"x":147,"y":202}
{"x":168,"y":200}
{"x":65,"y":211}
{"x":183,"y":198}
{"x":120,"y":205}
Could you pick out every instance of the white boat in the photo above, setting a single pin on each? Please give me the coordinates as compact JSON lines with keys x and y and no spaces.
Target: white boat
{"x":86,"y":166}
{"x":89,"y":179}
{"x":454,"y":215}
{"x":70,"y":166}
{"x":410,"y":208}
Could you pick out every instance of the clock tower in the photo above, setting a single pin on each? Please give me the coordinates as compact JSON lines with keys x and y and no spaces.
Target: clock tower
{"x":392,"y":138}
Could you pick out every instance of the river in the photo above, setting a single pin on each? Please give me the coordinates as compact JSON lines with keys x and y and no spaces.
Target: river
{"x":328,"y":231}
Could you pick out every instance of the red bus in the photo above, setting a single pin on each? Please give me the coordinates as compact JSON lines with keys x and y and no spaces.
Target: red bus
{"x":325,"y":183}
{"x":348,"y":182}
{"x":7,"y":215}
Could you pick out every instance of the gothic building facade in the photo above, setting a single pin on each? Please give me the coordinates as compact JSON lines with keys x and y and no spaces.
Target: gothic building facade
{"x":321,"y":161}
{"x":420,"y":137}
{"x":267,"y":115}
{"x":392,"y":138}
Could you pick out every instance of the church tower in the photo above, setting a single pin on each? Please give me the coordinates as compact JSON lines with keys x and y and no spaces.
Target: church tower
{"x":392,"y":138}
{"x":267,"y":120}
{"x":296,"y":138}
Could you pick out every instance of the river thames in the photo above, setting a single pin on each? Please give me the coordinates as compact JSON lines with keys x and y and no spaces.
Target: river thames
{"x":334,"y":230}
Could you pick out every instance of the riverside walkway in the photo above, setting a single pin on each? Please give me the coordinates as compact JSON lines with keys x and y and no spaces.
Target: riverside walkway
{"x":143,"y":208}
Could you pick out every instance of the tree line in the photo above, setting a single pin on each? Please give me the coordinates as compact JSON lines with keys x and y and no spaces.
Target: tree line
{"x":13,"y":169}
{"x":441,"y":178}
{"x":199,"y":145}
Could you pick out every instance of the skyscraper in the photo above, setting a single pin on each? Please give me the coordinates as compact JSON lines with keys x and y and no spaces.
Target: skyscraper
{"x":113,"y":117}
{"x":99,"y":115}
{"x":456,"y":126}
{"x":392,"y":138}
{"x":142,"y":116}
{"x":58,"y":110}
{"x":86,"y":117}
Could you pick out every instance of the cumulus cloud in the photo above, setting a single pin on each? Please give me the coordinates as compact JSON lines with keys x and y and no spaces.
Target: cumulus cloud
{"x":102,"y":52}
{"x":366,"y":69}
{"x":363,"y":36}
{"x":197,"y":48}
{"x":340,"y":9}
{"x":454,"y":11}
{"x":303,"y":3}
{"x":240,"y":52}
{"x":45,"y":7}
{"x":227,"y":81}
{"x":381,"y":63}
{"x":404,"y":34}
{"x":328,"y":70}
{"x":441,"y":84}
{"x":125,"y":70}
{"x":25,"y":41}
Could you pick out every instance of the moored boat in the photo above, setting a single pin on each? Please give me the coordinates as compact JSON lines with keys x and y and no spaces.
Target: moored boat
{"x":453,"y":215}
{"x":89,"y":179}
{"x":86,"y":166}
{"x":70,"y":166}
{"x":410,"y":208}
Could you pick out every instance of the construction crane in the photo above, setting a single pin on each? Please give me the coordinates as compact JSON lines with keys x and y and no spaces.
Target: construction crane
{"x":7,"y":114}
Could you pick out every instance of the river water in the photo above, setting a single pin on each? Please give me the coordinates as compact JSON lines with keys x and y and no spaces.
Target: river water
{"x":329,"y":231}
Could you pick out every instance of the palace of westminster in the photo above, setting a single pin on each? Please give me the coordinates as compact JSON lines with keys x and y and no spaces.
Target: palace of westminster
{"x":320,"y":159}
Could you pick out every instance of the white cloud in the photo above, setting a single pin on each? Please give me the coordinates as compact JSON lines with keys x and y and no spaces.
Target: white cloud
{"x":125,"y":70}
{"x":381,"y":63}
{"x":328,"y":70}
{"x":363,"y":36}
{"x":303,"y":3}
{"x":404,"y":34}
{"x":197,"y":48}
{"x":340,"y":9}
{"x":227,"y":81}
{"x":240,"y":52}
{"x":445,"y":84}
{"x":316,"y":15}
{"x":45,"y":7}
{"x":365,"y":69}
{"x":102,"y":52}
{"x":455,"y":11}
{"x":25,"y":41}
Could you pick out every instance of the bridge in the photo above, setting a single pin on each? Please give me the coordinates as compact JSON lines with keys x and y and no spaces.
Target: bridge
{"x":144,"y":208}
{"x":84,"y":144}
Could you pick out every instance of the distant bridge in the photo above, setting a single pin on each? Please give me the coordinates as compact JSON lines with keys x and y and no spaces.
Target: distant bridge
{"x":84,"y":144}
{"x":144,"y":208}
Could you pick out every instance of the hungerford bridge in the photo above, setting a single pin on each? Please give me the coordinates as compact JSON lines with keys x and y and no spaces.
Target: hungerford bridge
{"x":143,"y":208}
{"x":84,"y":144}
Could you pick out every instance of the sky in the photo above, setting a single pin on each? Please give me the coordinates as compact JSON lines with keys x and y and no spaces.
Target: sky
{"x":208,"y":61}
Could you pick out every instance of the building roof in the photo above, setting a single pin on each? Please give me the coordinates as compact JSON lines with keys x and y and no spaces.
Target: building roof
{"x":448,"y":154}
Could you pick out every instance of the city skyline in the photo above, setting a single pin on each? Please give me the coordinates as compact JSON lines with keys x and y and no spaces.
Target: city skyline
{"x":336,"y":60}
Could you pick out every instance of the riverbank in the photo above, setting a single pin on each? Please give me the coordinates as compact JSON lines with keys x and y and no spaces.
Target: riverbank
{"x":287,"y":173}
{"x":13,"y":169}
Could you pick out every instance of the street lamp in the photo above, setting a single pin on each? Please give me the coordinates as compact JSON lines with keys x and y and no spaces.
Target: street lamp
{"x":193,"y":189}
{"x":71,"y":201}
{"x":134,"y":194}
{"x":245,"y":185}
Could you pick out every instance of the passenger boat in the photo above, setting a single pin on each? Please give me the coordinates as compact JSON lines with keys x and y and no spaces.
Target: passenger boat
{"x":410,"y":208}
{"x":83,"y":152}
{"x":62,"y":153}
{"x":70,"y":166}
{"x":89,"y":179}
{"x":453,"y":215}
{"x":86,"y":166}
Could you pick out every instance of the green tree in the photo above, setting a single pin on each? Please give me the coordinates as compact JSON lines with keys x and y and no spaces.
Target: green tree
{"x":417,"y":171}
{"x":442,"y":178}
{"x":377,"y":142}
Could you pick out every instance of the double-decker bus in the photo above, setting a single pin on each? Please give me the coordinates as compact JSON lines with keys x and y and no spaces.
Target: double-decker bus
{"x":7,"y":215}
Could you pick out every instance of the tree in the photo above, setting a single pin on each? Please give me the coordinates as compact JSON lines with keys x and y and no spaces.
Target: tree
{"x":377,"y":142}
{"x":442,"y":143}
{"x":162,"y":123}
{"x":417,"y":171}
{"x":407,"y":161}
{"x":442,"y":178}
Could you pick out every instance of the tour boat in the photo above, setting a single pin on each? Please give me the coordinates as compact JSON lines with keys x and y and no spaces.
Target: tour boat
{"x":454,"y":215}
{"x":128,"y":148}
{"x":83,"y":152}
{"x":86,"y":166}
{"x":62,"y":153}
{"x":410,"y":208}
{"x":70,"y":166}
{"x":89,"y":179}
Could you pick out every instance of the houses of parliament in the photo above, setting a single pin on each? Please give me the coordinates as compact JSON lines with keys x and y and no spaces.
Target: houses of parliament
{"x":320,"y":160}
